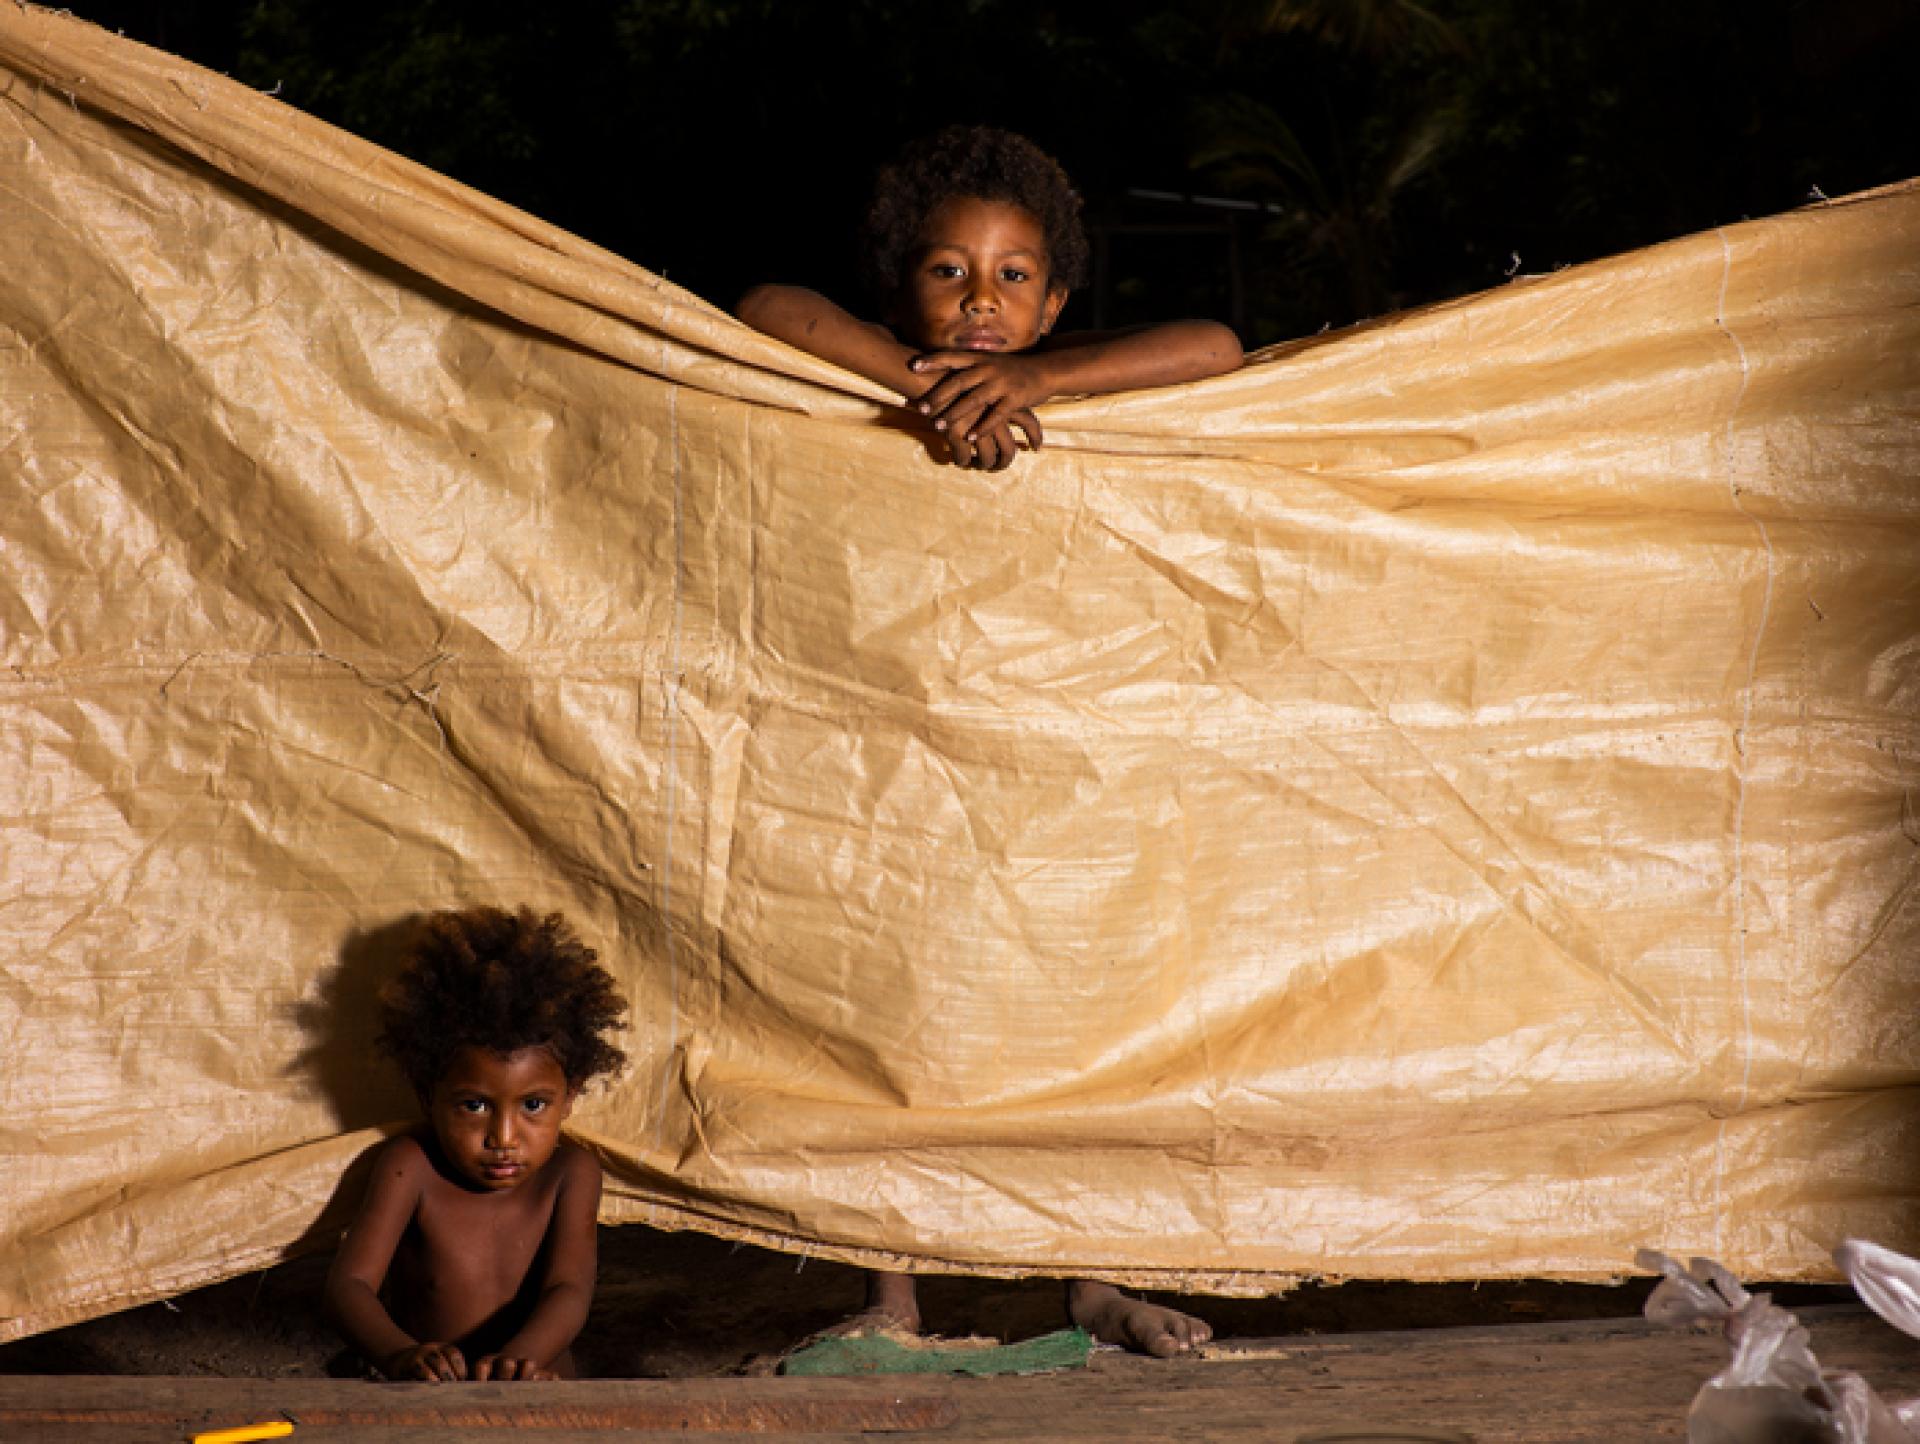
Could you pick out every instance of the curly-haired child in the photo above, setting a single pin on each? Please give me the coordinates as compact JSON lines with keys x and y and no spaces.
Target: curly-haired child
{"x":972,"y":245}
{"x":473,"y":1254}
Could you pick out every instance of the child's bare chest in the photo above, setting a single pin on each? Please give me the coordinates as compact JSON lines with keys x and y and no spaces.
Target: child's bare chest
{"x":479,"y":1244}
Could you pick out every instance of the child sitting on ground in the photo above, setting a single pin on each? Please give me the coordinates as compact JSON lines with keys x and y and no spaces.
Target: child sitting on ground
{"x":473,"y":1255}
{"x":973,"y":242}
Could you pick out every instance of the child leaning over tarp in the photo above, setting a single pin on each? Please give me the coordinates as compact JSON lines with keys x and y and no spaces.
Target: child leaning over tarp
{"x":473,"y":1255}
{"x":972,"y":244}
{"x":973,"y":241}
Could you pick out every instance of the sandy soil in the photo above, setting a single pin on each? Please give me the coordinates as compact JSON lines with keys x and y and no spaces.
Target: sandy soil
{"x":683,"y":1305}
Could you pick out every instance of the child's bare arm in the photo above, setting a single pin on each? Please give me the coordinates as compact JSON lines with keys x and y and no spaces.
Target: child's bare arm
{"x":360,"y":1267}
{"x":816,"y":325}
{"x":978,"y":390}
{"x":810,"y":321}
{"x":566,"y":1289}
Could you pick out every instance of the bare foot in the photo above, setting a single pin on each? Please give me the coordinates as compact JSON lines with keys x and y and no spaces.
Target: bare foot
{"x":893,"y":1302}
{"x":1116,"y":1318}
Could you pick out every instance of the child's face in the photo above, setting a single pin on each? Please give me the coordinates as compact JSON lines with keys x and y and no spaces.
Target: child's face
{"x":498,"y":1116}
{"x":978,"y":280}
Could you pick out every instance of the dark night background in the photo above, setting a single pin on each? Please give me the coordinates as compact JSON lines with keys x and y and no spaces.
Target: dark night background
{"x":1349,"y":157}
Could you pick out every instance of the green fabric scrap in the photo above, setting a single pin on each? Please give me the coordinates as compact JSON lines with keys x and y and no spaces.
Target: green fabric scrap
{"x":887,"y":1353}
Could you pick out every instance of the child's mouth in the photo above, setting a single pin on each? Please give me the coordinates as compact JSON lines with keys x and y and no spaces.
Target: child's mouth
{"x":981,"y":341}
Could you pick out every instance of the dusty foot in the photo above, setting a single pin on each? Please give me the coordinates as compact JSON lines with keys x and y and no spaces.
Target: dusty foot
{"x":893,"y":1302}
{"x":1116,"y":1318}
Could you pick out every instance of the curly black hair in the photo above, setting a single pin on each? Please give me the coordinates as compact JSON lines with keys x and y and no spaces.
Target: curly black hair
{"x":979,"y":162}
{"x":485,"y":978}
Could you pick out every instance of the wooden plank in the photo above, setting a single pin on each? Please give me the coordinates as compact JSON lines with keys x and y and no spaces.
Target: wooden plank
{"x":678,"y":1406}
{"x":1579,"y":1383}
{"x":1524,"y":1384}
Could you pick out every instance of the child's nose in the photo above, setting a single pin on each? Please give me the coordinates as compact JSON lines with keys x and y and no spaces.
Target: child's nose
{"x":982,"y":297}
{"x":500,"y":1131}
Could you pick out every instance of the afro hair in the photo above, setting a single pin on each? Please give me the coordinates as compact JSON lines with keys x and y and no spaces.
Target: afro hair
{"x":977,"y":162}
{"x":501,"y":981}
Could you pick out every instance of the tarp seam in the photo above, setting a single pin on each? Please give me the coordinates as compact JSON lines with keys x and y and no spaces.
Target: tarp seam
{"x":672,"y":689}
{"x":1740,"y":753}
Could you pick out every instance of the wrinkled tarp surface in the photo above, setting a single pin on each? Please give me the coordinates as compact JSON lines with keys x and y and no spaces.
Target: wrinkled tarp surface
{"x":1439,"y":803}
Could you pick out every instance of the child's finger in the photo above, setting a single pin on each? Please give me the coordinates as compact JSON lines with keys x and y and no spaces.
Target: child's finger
{"x":1028,"y":424}
{"x":964,"y":413}
{"x":944,"y":360}
{"x":943,"y":394}
{"x":419,"y":1364}
{"x":454,"y":1362}
{"x":996,"y":415}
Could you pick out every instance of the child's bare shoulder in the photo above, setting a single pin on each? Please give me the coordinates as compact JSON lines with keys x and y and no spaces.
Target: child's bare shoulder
{"x":400,"y":1176}
{"x":404,"y":1155}
{"x":573,"y":1165}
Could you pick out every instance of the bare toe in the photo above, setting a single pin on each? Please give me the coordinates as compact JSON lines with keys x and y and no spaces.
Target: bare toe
{"x":1164,"y":1332}
{"x":1115,"y":1318}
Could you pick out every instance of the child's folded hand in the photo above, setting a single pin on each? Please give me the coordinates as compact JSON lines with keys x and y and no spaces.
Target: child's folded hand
{"x":980,"y":391}
{"x":432,"y":1362}
{"x":989,"y":449}
{"x":500,"y":1367}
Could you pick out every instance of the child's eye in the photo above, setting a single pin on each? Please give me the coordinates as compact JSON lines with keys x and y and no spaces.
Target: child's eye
{"x":535,"y":1105}
{"x":472,"y":1105}
{"x":945,"y":270}
{"x":1012,"y":273}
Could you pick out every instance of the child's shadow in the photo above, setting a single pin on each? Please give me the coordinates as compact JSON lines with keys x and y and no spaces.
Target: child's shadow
{"x":362,"y":1088}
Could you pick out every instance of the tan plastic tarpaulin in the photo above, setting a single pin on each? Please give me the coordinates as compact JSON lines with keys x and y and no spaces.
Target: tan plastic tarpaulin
{"x":1443,"y":802}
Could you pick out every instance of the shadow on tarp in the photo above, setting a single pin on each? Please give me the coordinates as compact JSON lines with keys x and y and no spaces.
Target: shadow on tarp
{"x":362,"y":1088}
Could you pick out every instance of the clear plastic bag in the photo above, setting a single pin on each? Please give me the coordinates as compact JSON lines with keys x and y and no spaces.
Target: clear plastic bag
{"x":1773,"y":1390}
{"x":1889,"y":1284}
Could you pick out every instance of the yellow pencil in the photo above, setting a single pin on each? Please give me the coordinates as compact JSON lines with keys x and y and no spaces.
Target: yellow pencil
{"x":245,"y":1433}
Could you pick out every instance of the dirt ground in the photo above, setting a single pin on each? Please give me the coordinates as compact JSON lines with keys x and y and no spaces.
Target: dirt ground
{"x":685,"y":1305}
